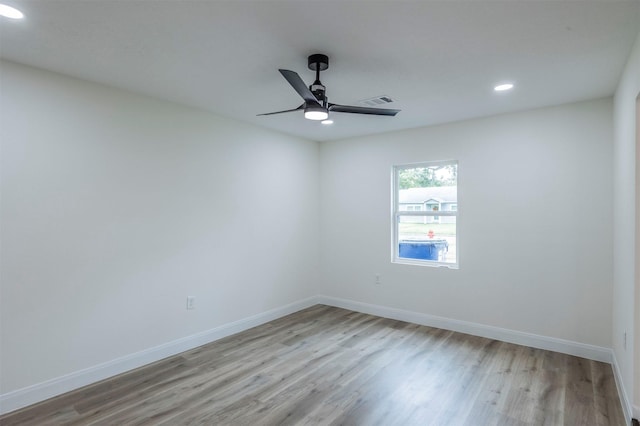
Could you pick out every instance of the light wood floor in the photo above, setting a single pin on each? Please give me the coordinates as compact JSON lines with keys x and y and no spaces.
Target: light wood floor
{"x":330,"y":366}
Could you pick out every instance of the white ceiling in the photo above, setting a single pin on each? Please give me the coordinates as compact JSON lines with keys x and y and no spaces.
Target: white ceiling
{"x":438,"y":60}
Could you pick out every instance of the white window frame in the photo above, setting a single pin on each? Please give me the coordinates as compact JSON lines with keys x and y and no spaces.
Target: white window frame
{"x":396,"y":213}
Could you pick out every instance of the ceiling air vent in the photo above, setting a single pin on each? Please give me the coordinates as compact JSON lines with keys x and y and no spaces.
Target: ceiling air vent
{"x":376,"y":102}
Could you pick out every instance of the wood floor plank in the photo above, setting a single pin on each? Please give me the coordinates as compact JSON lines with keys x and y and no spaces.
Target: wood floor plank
{"x":331,"y":366}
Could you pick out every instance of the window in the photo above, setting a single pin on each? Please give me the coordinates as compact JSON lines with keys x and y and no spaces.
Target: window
{"x":425,"y":236}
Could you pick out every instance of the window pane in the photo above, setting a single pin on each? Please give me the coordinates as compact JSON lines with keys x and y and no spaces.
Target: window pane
{"x":431,"y":188}
{"x":427,"y":238}
{"x":428,"y":177}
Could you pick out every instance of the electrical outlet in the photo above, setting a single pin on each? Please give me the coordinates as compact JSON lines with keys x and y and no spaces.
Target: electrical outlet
{"x":191,"y":302}
{"x":378,"y":280}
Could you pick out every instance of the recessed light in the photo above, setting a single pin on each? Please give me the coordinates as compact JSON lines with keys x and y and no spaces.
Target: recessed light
{"x":503,"y":87}
{"x":327,"y":122}
{"x":10,"y":12}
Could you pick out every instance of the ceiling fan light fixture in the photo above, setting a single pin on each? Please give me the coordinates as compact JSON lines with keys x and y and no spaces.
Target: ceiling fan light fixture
{"x":316,"y":112}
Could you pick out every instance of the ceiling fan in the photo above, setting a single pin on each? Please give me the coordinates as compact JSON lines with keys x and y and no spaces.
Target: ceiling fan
{"x":316,"y":105}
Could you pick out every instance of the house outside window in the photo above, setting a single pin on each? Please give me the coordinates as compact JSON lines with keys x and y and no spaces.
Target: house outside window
{"x":426,"y":235}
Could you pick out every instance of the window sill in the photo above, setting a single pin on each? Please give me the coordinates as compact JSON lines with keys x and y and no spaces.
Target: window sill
{"x":430,"y":264}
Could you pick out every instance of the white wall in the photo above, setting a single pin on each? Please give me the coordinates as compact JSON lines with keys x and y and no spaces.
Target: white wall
{"x":535,"y":225}
{"x":625,"y":193}
{"x":115,"y":207}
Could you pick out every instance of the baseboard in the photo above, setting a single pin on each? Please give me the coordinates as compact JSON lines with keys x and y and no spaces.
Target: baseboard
{"x":624,"y":398}
{"x":39,"y":392}
{"x":596,"y":353}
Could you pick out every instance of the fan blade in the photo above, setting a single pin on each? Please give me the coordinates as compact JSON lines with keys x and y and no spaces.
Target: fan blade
{"x":280,"y":112}
{"x":363,"y":110}
{"x":296,"y":82}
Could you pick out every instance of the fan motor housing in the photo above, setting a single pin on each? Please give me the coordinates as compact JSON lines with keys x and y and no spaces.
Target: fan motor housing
{"x":318,"y":62}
